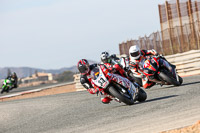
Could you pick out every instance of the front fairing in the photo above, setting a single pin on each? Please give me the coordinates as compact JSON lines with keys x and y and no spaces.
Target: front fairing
{"x":7,"y":81}
{"x":6,"y":84}
{"x":150,"y":66}
{"x":98,"y":78}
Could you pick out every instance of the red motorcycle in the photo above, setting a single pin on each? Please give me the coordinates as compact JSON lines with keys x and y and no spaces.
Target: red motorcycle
{"x":116,"y":86}
{"x":158,"y":70}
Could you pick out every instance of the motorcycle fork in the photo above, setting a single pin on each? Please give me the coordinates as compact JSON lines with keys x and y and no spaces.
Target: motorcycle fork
{"x":157,"y":80}
{"x":167,"y":65}
{"x":177,"y":78}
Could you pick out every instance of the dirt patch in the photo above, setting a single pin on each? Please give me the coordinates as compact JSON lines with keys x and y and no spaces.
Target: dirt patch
{"x":190,"y":129}
{"x":51,"y":91}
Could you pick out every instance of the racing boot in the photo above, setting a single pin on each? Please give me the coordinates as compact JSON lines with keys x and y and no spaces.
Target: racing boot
{"x":106,"y":100}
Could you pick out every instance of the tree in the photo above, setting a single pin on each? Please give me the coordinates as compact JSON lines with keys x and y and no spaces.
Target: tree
{"x":36,"y":73}
{"x":30,"y":72}
{"x":65,"y":76}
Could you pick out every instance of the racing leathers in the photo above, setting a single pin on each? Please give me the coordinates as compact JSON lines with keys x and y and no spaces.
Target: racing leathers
{"x":14,"y":81}
{"x":86,"y":82}
{"x":114,"y":66}
{"x":137,"y":71}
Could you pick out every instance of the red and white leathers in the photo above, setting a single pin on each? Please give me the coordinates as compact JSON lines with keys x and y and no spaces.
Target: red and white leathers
{"x":85,"y":80}
{"x":134,"y":67}
{"x":116,"y":78}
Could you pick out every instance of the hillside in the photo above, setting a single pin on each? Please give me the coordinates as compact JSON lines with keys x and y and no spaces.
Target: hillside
{"x":27,"y":71}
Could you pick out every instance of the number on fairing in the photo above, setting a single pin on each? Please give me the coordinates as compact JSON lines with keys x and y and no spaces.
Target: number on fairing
{"x":146,"y":64}
{"x":101,"y":81}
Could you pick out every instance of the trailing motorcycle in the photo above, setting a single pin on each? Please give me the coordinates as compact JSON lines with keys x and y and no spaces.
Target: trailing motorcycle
{"x":158,"y":70}
{"x":7,"y":85}
{"x":116,"y":86}
{"x":124,"y":62}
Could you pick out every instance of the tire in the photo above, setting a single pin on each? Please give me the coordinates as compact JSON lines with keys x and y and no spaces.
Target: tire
{"x":142,"y":95}
{"x":137,"y":80}
{"x":3,"y":89}
{"x":180,"y":80}
{"x":169,"y":79}
{"x":114,"y":92}
{"x":7,"y":90}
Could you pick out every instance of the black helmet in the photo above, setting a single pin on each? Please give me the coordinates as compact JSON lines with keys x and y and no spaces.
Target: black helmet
{"x":83,"y":66}
{"x":105,"y":58}
{"x":14,"y":75}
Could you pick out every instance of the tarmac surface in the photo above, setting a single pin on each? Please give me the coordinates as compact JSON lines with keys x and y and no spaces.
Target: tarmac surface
{"x":166,"y":108}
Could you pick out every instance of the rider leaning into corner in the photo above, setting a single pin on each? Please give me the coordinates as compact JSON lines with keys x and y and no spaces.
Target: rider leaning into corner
{"x":136,"y":55}
{"x":112,"y":63}
{"x":14,"y":79}
{"x":85,"y":79}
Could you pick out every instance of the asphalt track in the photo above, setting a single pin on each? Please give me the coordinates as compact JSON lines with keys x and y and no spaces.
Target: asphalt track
{"x":166,"y":108}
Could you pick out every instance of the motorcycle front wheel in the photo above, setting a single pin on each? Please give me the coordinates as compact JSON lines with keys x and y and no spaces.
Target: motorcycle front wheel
{"x":137,"y":79}
{"x":3,"y":89}
{"x":123,"y":98}
{"x":142,"y":95}
{"x":168,"y":77}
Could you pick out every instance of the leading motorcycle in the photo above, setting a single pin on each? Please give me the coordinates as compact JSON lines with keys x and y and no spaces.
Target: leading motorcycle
{"x":116,"y":86}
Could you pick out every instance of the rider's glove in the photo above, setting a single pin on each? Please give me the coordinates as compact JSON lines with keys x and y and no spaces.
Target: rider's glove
{"x":161,"y":55}
{"x":155,"y":52}
{"x":113,"y":56}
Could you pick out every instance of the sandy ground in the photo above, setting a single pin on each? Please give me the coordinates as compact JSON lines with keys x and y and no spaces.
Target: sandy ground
{"x":70,"y":88}
{"x":52,"y":91}
{"x":190,"y":129}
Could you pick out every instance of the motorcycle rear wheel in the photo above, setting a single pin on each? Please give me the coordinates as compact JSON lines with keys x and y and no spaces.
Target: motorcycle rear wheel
{"x":114,"y":92}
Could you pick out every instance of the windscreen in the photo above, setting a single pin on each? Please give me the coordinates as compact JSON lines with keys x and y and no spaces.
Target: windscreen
{"x":141,"y":64}
{"x":94,"y":73}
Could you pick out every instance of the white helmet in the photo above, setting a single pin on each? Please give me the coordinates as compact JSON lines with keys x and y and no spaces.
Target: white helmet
{"x":134,"y":52}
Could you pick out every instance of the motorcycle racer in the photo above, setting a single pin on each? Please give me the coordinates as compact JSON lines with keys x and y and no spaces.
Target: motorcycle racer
{"x":136,"y":56}
{"x":14,"y":79}
{"x":112,"y":63}
{"x":85,"y":79}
